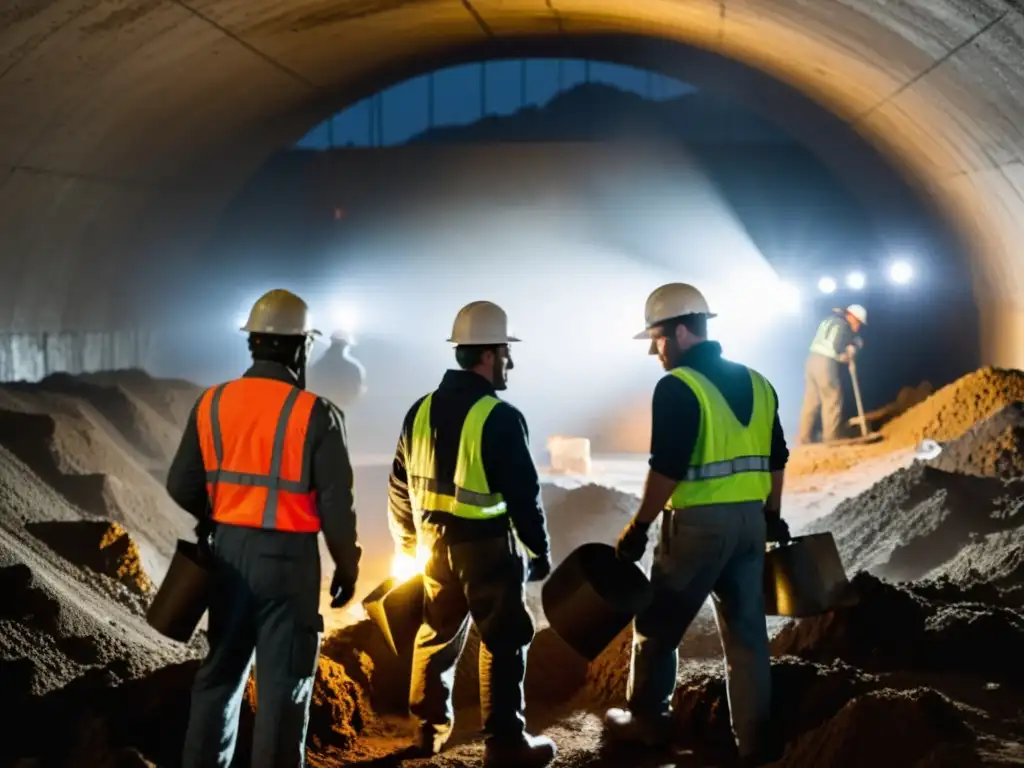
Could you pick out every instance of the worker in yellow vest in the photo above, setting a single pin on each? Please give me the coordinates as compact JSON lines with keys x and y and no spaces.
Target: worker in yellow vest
{"x":464,"y":488}
{"x":715,"y":480}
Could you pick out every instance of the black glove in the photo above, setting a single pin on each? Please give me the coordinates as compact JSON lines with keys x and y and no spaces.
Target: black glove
{"x":204,"y":536}
{"x":540,"y":568}
{"x":777,"y":530}
{"x":632,"y":542}
{"x":343,"y":589}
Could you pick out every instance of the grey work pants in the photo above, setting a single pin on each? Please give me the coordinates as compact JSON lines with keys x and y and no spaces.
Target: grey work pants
{"x":717,"y":551}
{"x":483,"y":580}
{"x":823,"y":394}
{"x":265,"y":600}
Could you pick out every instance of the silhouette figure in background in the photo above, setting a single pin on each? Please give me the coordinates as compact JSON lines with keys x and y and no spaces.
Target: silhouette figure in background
{"x":338,"y":376}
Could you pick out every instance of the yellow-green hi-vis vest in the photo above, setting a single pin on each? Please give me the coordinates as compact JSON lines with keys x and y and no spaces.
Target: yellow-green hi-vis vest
{"x":730,"y":462}
{"x":469,"y":495}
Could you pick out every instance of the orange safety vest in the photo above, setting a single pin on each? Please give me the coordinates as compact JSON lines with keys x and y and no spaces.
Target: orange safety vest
{"x":252,"y":433}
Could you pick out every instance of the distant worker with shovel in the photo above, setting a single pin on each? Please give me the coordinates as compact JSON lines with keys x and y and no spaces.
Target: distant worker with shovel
{"x":834,"y":345}
{"x":464,"y":486}
{"x":263,"y":465}
{"x":717,"y":459}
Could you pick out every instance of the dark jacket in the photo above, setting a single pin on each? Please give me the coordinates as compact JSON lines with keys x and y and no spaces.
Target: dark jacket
{"x":507,"y":462}
{"x":676,"y":413}
{"x":331,"y":473}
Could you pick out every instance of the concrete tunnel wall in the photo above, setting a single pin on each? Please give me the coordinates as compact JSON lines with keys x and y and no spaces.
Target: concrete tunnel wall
{"x":125,"y":127}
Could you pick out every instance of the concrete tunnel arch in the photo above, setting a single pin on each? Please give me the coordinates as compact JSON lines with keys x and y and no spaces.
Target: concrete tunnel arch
{"x":125,"y":127}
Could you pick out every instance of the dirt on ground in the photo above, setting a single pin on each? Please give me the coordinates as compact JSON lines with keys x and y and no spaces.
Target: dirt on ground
{"x":920,"y":670}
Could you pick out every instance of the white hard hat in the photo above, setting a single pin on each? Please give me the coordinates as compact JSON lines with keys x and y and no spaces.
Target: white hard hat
{"x":481,"y":322}
{"x":672,"y":300}
{"x":281,"y":313}
{"x":856,"y":310}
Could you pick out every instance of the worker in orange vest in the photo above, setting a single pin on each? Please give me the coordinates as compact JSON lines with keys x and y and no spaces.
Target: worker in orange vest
{"x":264,"y":466}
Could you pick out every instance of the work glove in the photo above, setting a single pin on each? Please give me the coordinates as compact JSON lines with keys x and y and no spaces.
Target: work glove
{"x":204,"y":536}
{"x":343,"y":589}
{"x":777,"y":528}
{"x":540,"y":568}
{"x":632,"y":541}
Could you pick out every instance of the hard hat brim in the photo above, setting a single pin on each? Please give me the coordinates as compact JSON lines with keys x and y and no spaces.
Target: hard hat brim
{"x":313,"y":332}
{"x":506,"y":340}
{"x":645,"y":334}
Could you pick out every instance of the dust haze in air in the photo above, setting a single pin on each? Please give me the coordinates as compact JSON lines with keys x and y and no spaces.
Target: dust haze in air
{"x":570,"y":248}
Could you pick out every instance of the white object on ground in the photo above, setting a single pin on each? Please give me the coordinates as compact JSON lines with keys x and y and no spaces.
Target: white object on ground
{"x":569,"y":455}
{"x":927,"y":450}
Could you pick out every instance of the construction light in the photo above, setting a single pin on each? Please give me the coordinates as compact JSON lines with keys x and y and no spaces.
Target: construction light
{"x":827,"y":285}
{"x":404,"y":567}
{"x":900,"y":272}
{"x":239,"y":321}
{"x":856,"y":281}
{"x":344,"y":317}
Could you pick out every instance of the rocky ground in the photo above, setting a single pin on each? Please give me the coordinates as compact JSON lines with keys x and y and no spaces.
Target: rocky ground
{"x":921,"y":670}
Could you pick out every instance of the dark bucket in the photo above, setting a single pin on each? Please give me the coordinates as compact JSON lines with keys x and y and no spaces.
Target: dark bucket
{"x":183,"y":596}
{"x":805,"y":577}
{"x":592,"y":596}
{"x":397,"y":610}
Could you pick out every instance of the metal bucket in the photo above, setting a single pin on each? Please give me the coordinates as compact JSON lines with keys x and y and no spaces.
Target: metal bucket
{"x":183,"y":596}
{"x":397,"y":610}
{"x":592,"y":596}
{"x":805,"y":577}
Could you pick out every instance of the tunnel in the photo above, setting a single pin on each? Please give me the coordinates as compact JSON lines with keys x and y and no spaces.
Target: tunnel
{"x":127,"y":127}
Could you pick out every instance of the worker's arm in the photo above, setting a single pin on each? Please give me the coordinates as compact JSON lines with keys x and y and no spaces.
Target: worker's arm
{"x":512,"y":473}
{"x":401,"y":522}
{"x":186,"y":479}
{"x":777,"y":461}
{"x":675,"y":424}
{"x":333,"y":480}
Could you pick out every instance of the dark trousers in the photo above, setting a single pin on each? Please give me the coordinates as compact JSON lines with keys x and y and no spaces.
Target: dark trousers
{"x":717,"y":551}
{"x":484,"y":580}
{"x":265,"y":600}
{"x":823,"y":394}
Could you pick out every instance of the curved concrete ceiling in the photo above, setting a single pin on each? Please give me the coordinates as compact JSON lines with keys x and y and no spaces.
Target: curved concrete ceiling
{"x":125,"y":126}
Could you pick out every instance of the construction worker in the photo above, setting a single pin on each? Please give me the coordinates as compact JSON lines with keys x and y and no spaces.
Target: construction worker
{"x":834,"y":345}
{"x":338,"y":375}
{"x":715,"y":479}
{"x":464,"y":487}
{"x":263,"y":465}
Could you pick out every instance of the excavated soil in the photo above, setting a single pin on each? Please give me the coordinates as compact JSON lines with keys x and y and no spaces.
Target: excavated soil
{"x":944,"y":416}
{"x":924,"y":673}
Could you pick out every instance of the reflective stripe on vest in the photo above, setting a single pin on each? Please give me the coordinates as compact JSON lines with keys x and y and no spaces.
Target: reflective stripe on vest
{"x":253,"y":437}
{"x":730,"y":461}
{"x":468,"y":495}
{"x":824,"y":342}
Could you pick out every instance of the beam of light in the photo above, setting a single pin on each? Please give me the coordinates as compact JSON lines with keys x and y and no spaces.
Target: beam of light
{"x":404,"y":567}
{"x":827,"y":285}
{"x":344,"y":317}
{"x":788,"y":298}
{"x":855,"y":281}
{"x":239,"y":320}
{"x":901,"y":272}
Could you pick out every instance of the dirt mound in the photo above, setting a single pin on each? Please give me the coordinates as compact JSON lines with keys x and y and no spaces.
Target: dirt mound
{"x":592,"y":513}
{"x":923,"y":726}
{"x":993,"y":447}
{"x":992,"y":565}
{"x":918,"y":519}
{"x":893,"y":628}
{"x":957,"y":407}
{"x":101,"y":546}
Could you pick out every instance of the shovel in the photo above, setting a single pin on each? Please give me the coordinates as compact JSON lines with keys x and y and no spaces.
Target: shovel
{"x":856,"y":396}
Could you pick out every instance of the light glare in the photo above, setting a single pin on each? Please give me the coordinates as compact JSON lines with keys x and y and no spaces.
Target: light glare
{"x":789,"y":298}
{"x":900,"y":272}
{"x":855,"y":280}
{"x":404,"y":567}
{"x":827,"y":285}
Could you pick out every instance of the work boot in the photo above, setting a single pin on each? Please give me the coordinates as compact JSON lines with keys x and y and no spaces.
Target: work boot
{"x":528,"y":752}
{"x":427,"y":743}
{"x":621,"y":725}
